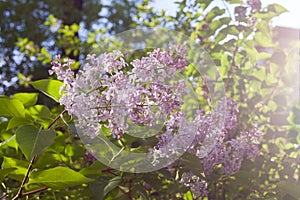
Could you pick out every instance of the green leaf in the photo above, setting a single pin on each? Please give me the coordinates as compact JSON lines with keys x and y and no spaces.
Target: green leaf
{"x":33,"y":141}
{"x":204,"y":3}
{"x":244,"y":176}
{"x":290,"y":188}
{"x":7,"y":141}
{"x":142,"y":191}
{"x":217,"y":24}
{"x":112,"y":184}
{"x":20,"y":165}
{"x":17,"y":121}
{"x":215,"y":12}
{"x":263,"y":27}
{"x":11,"y":108}
{"x":49,"y":87}
{"x":103,"y":186}
{"x":263,"y":56}
{"x":263,"y":40}
{"x":234,"y":1}
{"x":39,"y":112}
{"x":28,"y":99}
{"x":276,"y":8}
{"x":273,"y":11}
{"x":93,"y":170}
{"x":192,"y":163}
{"x":5,"y":172}
{"x":188,"y":196}
{"x":58,"y":178}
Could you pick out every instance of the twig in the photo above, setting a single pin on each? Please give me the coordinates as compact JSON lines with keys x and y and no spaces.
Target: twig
{"x":227,"y":9}
{"x":129,"y":190}
{"x":19,"y":194}
{"x":34,"y":191}
{"x":108,"y":170}
{"x":223,"y":189}
{"x":56,"y":118}
{"x":232,"y":65}
{"x":4,"y":195}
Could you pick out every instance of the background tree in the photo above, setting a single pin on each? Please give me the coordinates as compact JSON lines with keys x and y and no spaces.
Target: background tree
{"x":26,"y":40}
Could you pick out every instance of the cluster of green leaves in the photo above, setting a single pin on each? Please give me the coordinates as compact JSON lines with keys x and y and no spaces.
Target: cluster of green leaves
{"x":61,"y":169}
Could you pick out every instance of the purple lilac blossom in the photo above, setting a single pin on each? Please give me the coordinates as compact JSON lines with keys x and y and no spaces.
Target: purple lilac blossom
{"x":226,"y":152}
{"x":195,"y":183}
{"x":90,"y":156}
{"x":103,"y":92}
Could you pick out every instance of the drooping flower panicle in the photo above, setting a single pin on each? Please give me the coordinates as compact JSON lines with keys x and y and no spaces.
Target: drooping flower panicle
{"x":103,"y":91}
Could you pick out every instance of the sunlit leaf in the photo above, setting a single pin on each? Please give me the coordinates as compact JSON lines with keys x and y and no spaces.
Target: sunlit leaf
{"x":5,"y":172}
{"x":28,"y":99}
{"x":20,"y":165}
{"x":58,"y":178}
{"x":11,"y":108}
{"x":49,"y":87}
{"x":17,"y":121}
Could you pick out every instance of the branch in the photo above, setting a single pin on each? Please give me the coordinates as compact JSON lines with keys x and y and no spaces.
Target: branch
{"x":223,"y":189}
{"x":19,"y":194}
{"x":34,"y":191}
{"x":129,"y":190}
{"x":232,"y":65}
{"x":56,"y":118}
{"x":108,"y":170}
{"x":30,"y":193}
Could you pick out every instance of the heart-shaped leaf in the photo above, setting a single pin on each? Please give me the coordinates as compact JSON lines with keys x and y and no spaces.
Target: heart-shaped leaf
{"x":33,"y":141}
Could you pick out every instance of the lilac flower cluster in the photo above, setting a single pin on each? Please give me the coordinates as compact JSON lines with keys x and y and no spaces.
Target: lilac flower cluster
{"x":90,"y":156}
{"x":62,"y":70}
{"x":198,"y":186}
{"x":106,"y":91}
{"x":254,"y":4}
{"x":226,"y":151}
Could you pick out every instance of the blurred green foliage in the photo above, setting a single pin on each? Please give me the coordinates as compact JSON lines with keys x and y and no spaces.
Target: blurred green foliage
{"x":34,"y":31}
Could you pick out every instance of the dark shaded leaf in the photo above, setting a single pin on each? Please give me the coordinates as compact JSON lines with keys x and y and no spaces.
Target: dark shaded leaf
{"x":33,"y":141}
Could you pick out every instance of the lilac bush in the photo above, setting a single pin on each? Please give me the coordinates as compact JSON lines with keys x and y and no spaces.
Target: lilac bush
{"x":109,"y":92}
